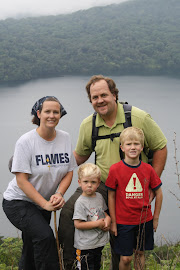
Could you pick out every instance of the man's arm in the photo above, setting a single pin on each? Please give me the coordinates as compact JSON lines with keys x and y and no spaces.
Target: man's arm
{"x":159,"y":160}
{"x":80,"y":159}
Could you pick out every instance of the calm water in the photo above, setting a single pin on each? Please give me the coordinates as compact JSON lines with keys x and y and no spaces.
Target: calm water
{"x":160,"y":96}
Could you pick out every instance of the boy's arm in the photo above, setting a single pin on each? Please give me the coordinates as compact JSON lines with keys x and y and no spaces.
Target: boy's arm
{"x":88,"y":225}
{"x":157,"y":208}
{"x":107,"y":221}
{"x":112,"y":207}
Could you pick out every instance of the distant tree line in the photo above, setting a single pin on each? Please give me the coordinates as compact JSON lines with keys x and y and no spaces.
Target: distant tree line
{"x":138,"y":37}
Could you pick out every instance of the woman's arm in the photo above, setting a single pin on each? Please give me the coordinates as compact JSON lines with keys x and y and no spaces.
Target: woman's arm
{"x":57,"y":199}
{"x":31,"y":192}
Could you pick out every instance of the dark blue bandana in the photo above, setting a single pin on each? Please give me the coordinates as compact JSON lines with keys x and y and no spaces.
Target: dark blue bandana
{"x":39,"y":103}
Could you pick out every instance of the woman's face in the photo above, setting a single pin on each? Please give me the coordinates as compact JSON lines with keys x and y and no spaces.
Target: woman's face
{"x":50,"y":114}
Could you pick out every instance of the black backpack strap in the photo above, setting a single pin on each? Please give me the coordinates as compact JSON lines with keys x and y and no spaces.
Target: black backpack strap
{"x":110,"y":136}
{"x":127,"y":111}
{"x":95,"y":131}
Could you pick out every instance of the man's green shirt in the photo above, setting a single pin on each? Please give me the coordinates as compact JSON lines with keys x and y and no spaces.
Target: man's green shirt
{"x":107,"y":151}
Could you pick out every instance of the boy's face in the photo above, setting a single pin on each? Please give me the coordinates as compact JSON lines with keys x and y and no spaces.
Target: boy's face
{"x":89,"y":185}
{"x":132,"y":149}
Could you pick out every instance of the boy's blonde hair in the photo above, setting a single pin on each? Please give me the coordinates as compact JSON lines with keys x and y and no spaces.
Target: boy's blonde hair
{"x":132,"y":133}
{"x":89,"y":170}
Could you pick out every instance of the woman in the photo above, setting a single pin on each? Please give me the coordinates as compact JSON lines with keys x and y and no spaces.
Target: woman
{"x":43,"y":164}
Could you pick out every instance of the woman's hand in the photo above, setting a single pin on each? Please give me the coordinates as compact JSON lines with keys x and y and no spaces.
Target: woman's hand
{"x":48,"y":206}
{"x":57,"y":201}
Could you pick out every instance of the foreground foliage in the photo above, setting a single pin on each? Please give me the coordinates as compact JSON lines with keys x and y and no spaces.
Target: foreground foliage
{"x":135,"y":37}
{"x":10,"y":252}
{"x":166,"y":257}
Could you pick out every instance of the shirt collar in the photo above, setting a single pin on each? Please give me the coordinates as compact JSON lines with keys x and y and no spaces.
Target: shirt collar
{"x":120,"y":117}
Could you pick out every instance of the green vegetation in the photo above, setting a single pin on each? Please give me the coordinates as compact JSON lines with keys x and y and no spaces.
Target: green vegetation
{"x":166,"y":257}
{"x":10,"y":252}
{"x":135,"y":37}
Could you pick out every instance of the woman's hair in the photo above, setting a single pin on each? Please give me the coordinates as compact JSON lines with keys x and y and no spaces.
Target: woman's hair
{"x":38,"y":107}
{"x":89,"y":170}
{"x":132,"y":133}
{"x":110,"y":82}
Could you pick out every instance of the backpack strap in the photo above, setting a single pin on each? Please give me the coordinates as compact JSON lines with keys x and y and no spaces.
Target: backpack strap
{"x":95,"y":131}
{"x":127,"y":110}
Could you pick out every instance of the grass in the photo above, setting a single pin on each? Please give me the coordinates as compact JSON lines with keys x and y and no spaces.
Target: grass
{"x":166,"y":257}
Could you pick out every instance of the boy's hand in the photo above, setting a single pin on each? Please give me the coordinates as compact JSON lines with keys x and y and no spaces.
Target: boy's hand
{"x":49,"y":206}
{"x":151,"y":195}
{"x":113,"y":228}
{"x":107,"y":221}
{"x":155,"y":223}
{"x":100,"y":223}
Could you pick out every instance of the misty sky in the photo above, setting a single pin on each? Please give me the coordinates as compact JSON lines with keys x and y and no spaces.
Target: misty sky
{"x":16,"y":8}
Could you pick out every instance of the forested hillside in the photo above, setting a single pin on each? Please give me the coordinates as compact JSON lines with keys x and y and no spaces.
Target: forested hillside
{"x":135,"y":37}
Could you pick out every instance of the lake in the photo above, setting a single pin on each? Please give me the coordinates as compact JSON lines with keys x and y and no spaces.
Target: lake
{"x":160,"y":96}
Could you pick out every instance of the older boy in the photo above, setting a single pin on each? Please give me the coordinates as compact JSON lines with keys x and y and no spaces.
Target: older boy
{"x":90,"y":221}
{"x":128,"y":185}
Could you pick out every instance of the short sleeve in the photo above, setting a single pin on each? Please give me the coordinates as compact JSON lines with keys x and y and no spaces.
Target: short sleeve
{"x":79,"y":212}
{"x":84,"y":143}
{"x":153,"y":134}
{"x":22,"y":158}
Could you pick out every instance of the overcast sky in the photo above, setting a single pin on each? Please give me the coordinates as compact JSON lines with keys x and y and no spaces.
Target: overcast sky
{"x":14,"y":8}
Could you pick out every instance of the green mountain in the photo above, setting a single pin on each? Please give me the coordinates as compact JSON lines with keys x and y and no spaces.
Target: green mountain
{"x":139,"y":37}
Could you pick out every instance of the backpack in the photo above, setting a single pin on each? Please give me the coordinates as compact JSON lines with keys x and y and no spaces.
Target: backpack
{"x":95,"y":137}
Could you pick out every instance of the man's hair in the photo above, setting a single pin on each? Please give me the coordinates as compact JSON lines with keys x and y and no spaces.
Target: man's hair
{"x":35,"y":119}
{"x":132,"y":133}
{"x":89,"y":170}
{"x":110,"y":82}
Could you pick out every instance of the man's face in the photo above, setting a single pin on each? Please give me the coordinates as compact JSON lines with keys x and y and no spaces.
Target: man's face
{"x":103,"y":101}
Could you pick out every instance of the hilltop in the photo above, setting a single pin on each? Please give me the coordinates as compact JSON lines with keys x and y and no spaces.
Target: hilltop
{"x":138,"y":37}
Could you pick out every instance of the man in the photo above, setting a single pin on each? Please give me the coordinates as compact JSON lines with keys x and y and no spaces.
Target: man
{"x":103,"y":95}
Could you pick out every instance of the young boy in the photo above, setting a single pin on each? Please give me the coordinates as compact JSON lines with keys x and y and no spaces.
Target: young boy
{"x":128,"y":185}
{"x":91,"y":222}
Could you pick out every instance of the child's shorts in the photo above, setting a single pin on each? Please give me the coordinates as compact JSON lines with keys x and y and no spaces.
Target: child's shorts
{"x":128,"y":238}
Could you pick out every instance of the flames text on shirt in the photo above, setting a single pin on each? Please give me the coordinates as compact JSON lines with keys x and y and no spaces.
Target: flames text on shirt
{"x":52,"y":159}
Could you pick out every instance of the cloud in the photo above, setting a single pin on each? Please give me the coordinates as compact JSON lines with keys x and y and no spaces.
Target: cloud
{"x":24,"y":8}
